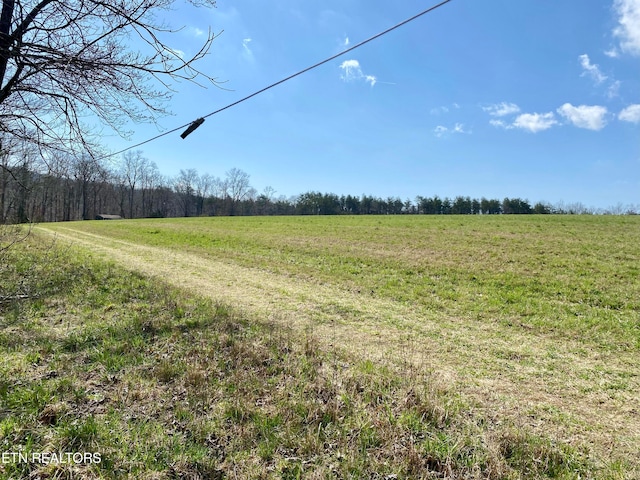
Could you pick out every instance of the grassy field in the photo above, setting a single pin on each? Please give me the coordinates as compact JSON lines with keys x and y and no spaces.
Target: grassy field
{"x":326,"y":347}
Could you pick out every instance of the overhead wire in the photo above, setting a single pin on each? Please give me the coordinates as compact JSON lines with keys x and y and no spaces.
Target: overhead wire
{"x":244,"y":99}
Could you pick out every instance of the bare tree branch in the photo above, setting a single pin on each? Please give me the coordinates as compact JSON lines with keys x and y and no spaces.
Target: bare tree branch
{"x":61,"y":60}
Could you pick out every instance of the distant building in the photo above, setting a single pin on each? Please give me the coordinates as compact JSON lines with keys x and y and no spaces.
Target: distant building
{"x":104,"y":216}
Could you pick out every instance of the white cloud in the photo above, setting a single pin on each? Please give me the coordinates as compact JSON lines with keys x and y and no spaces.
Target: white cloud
{"x":439,"y":110}
{"x":459,"y":128}
{"x":591,"y":69}
{"x":245,"y":45}
{"x":614,"y":89}
{"x":535,"y":122}
{"x":630,"y":114}
{"x":502,"y":109}
{"x":612,"y":53}
{"x":346,"y":42}
{"x":196,"y":32}
{"x":500,"y":124}
{"x":591,"y":117}
{"x":628,"y":30}
{"x":444,"y":109}
{"x":440,"y":131}
{"x":351,"y":71}
{"x":247,"y":52}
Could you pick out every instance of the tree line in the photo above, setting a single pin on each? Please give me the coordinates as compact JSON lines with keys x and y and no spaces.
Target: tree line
{"x":65,"y":187}
{"x":317,"y":203}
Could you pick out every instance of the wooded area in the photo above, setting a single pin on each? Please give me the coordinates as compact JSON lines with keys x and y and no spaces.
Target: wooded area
{"x":70,"y":187}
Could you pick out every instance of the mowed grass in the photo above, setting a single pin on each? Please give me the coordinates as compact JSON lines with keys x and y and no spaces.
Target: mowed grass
{"x":570,"y":276}
{"x":166,"y":384}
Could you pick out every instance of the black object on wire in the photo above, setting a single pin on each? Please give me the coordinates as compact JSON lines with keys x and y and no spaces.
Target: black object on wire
{"x":192,"y":127}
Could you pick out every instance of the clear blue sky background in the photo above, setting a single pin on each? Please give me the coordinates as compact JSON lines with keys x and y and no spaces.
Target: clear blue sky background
{"x":491,"y":98}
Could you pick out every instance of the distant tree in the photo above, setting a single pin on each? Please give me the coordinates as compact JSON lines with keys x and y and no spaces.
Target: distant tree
{"x":378,"y":206}
{"x":133,"y":169}
{"x":541,"y":208}
{"x":87,"y":172}
{"x":164,"y":196}
{"x":352,"y":204}
{"x":484,"y":206}
{"x":437,"y":205}
{"x":391,"y":206}
{"x":265,"y":202}
{"x":524,"y":207}
{"x":316,"y":203}
{"x":204,"y":185}
{"x":150,"y":181}
{"x":490,"y":207}
{"x":507,"y":206}
{"x":19,"y":176}
{"x":409,"y":207}
{"x":461,"y":206}
{"x":366,"y":204}
{"x":387,"y":205}
{"x":56,"y":189}
{"x":237,"y":188}
{"x":426,"y":205}
{"x":515,"y":206}
{"x":309,"y":203}
{"x":8,"y":170}
{"x":397,"y":206}
{"x":185,"y":187}
{"x":577,"y":208}
{"x":446,"y":206}
{"x":329,"y":204}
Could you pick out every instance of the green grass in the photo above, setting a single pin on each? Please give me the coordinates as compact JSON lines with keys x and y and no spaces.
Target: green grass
{"x":557,"y":274}
{"x":166,"y":384}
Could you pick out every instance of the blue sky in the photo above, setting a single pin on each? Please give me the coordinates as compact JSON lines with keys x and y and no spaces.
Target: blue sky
{"x":497,"y":98}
